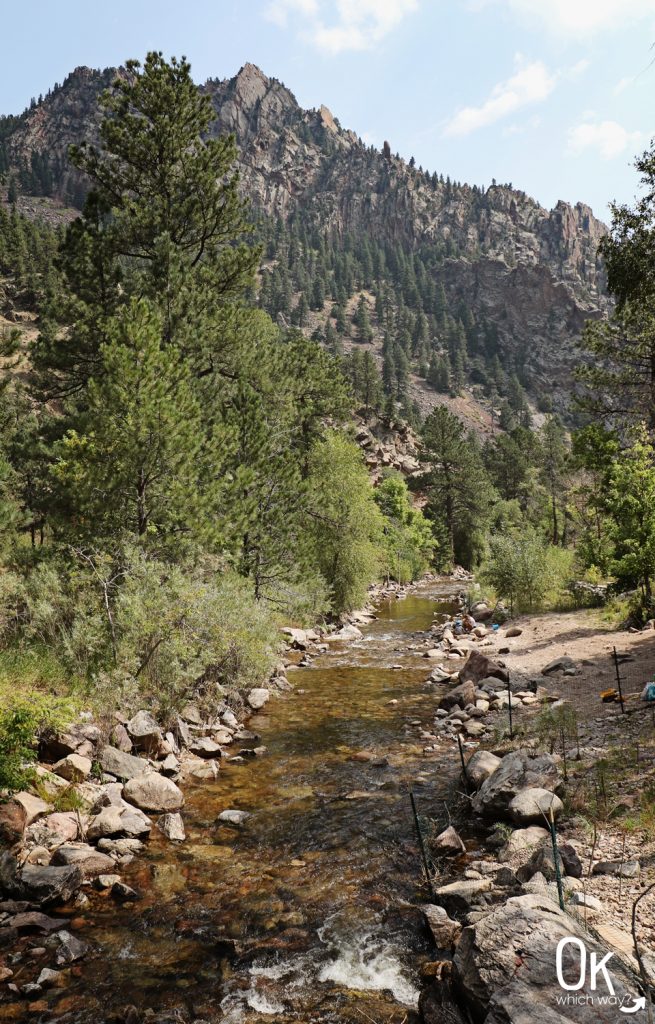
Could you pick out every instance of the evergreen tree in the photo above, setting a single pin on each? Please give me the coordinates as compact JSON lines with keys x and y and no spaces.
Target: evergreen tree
{"x":460,"y":495}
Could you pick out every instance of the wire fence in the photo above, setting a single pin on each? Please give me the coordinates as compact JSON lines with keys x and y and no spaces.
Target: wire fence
{"x":615,"y":687}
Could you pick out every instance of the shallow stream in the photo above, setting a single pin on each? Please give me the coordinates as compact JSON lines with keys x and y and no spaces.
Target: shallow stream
{"x":310,"y":911}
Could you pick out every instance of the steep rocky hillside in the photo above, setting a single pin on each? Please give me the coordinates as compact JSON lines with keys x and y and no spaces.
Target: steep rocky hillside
{"x":526,"y":278}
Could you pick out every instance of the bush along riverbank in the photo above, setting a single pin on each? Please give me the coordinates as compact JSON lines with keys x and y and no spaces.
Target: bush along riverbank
{"x":100,"y":788}
{"x":566,"y":862}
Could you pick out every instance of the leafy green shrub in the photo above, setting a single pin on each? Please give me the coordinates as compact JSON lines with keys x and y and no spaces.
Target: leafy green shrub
{"x":526,"y":571}
{"x":21,"y":719}
{"x":180,"y":630}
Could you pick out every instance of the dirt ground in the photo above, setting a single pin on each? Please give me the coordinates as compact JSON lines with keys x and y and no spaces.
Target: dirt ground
{"x":589,"y":641}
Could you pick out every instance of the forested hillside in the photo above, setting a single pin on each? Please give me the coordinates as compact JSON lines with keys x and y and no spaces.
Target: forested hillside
{"x":472,"y":293}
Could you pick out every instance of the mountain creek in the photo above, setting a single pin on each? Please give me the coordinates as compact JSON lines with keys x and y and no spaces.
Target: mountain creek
{"x":311,"y":910}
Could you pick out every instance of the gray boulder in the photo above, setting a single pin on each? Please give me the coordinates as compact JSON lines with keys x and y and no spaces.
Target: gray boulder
{"x":505,"y":967}
{"x":144,"y":730}
{"x":258,"y":697}
{"x":91,"y":861}
{"x":445,"y":931}
{"x":480,"y":767}
{"x":47,"y":885}
{"x":534,"y":805}
{"x":153,"y":793}
{"x":461,"y":695}
{"x":121,"y":764}
{"x":517,"y":771}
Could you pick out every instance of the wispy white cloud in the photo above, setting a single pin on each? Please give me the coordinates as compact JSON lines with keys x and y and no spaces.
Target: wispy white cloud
{"x":623,"y":84}
{"x":608,"y":138}
{"x":579,"y":17}
{"x":279,"y":11}
{"x":335,"y":26}
{"x":532,"y":83}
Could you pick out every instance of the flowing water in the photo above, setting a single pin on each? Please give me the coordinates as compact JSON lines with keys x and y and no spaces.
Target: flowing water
{"x":309,"y":912}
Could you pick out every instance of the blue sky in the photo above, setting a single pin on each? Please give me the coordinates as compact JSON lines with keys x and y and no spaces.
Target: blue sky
{"x":555,"y":96}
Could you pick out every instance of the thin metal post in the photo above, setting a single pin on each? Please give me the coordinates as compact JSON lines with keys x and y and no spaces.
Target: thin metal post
{"x":618,"y":679}
{"x":558,"y":874}
{"x":465,"y":773}
{"x":421,"y":843}
{"x":509,"y":708}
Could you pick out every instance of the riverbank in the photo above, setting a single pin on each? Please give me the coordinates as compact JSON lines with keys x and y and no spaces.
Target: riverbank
{"x":366,"y":768}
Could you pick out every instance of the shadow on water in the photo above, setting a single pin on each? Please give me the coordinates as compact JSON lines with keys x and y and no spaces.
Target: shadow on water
{"x":309,"y":912}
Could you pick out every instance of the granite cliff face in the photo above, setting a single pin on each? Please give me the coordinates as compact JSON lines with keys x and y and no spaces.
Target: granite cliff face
{"x":534,"y":273}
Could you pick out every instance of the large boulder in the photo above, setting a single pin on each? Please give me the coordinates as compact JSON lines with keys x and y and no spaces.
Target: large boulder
{"x":480,"y":767}
{"x":144,"y":731}
{"x":518,"y":771}
{"x":505,"y":967}
{"x":121,"y":764}
{"x":47,"y":885}
{"x":461,"y":695}
{"x":153,"y":793}
{"x":91,"y":861}
{"x":478,"y":666}
{"x":123,"y":822}
{"x":55,"y":829}
{"x":533,"y":806}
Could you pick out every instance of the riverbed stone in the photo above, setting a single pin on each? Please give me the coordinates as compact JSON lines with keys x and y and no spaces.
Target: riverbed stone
{"x":46,"y":885}
{"x":504,"y":965}
{"x":33,"y":806}
{"x":203,"y":746}
{"x":13,"y":819}
{"x":444,"y":931}
{"x":518,"y":771}
{"x":144,"y":731}
{"x":119,"y":822}
{"x":258,"y":697}
{"x":480,"y":766}
{"x":91,"y":861}
{"x":478,"y":666}
{"x":523,"y":840}
{"x":448,"y":843}
{"x":533,"y":805}
{"x":233,"y":817}
{"x":460,"y":695}
{"x":121,"y":764}
{"x":69,"y":948}
{"x":153,"y":793}
{"x":172,"y":826}
{"x":458,"y":897}
{"x":73,"y":768}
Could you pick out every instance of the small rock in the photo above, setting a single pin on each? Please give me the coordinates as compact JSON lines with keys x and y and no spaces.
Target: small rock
{"x":448,"y":843}
{"x":233,"y":817}
{"x":531,"y":806}
{"x":49,"y":978}
{"x":203,"y":746}
{"x":105,"y":882}
{"x":69,"y":948}
{"x":33,"y":806}
{"x":258,"y":697}
{"x":558,"y":665}
{"x":627,"y":869}
{"x":123,"y":893}
{"x":172,"y":826}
